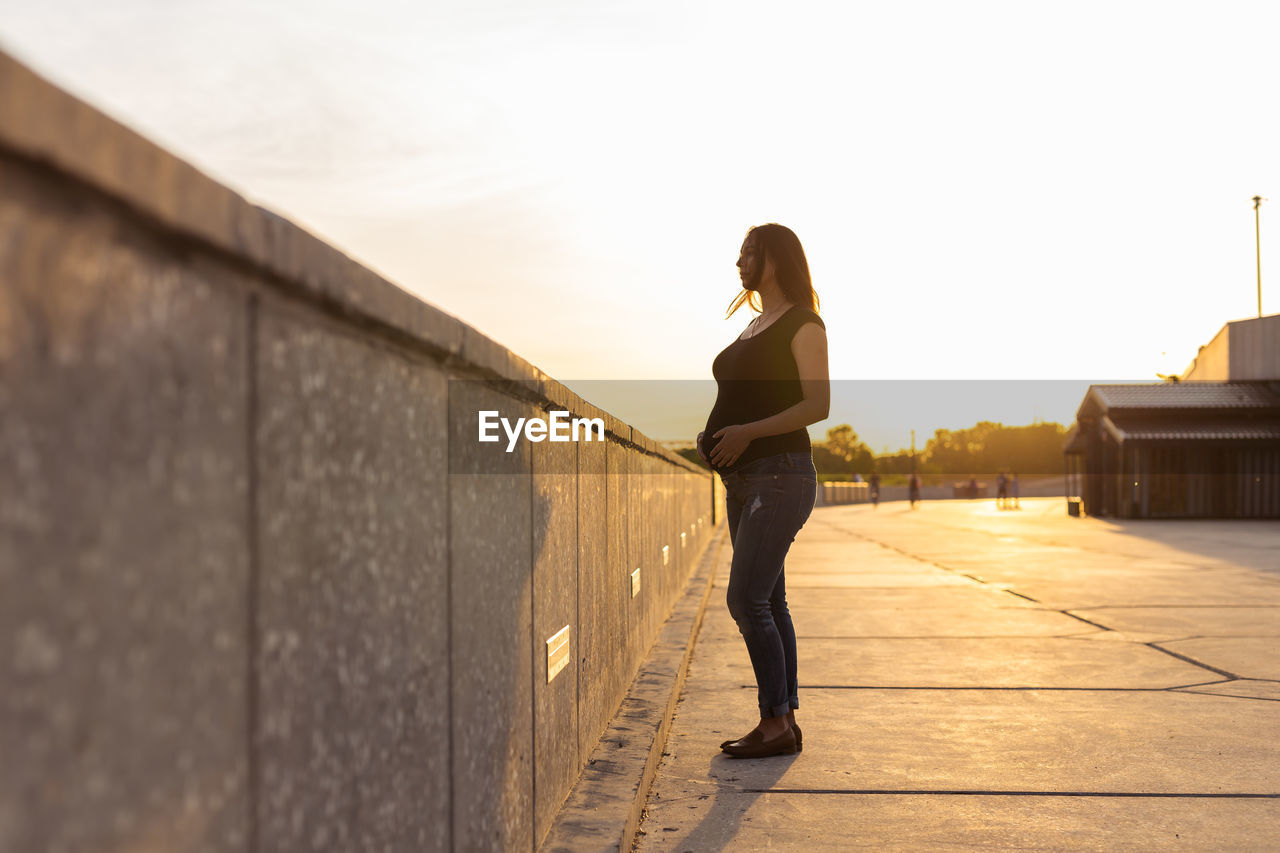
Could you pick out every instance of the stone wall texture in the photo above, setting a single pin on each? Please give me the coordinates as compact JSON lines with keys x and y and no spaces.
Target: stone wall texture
{"x":260,"y":587}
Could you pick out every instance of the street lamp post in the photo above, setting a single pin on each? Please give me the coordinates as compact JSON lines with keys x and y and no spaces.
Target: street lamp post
{"x":1257,"y":245}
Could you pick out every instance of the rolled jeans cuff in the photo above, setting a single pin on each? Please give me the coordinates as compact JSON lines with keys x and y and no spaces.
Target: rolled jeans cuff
{"x":776,"y":711}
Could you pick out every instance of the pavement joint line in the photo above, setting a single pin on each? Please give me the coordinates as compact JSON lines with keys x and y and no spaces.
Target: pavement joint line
{"x":895,"y":549}
{"x":791,"y":590}
{"x":1084,"y":620}
{"x":1080,"y":636}
{"x":1093,"y":635}
{"x":1205,"y":683}
{"x":979,"y":580}
{"x":983,"y":793}
{"x":1191,"y":660}
{"x":1231,"y":696}
{"x":1072,"y":546}
{"x":1013,"y":688}
{"x":1223,"y":637}
{"x":1176,"y":606}
{"x":1085,"y":635}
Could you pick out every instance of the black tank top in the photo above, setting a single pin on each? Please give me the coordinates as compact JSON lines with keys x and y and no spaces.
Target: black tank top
{"x":756,"y":378}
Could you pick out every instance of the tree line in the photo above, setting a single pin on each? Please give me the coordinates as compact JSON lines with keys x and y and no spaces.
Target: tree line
{"x":984,"y":448}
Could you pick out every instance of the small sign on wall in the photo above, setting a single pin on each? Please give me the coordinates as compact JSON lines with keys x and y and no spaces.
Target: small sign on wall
{"x":557,"y":652}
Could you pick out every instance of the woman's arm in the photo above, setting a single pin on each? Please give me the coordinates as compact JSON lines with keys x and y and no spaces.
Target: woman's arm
{"x":809,"y":347}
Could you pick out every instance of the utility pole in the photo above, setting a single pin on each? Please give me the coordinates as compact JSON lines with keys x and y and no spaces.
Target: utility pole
{"x":1257,"y":245}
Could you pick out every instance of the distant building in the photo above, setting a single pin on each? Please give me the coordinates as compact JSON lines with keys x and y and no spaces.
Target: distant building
{"x":1244,"y":351}
{"x":1204,"y":446}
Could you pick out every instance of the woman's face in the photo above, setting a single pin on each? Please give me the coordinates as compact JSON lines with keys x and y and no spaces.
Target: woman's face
{"x":750,"y":263}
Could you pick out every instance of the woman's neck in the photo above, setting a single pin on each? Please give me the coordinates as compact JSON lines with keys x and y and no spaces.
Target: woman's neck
{"x":771,"y":297}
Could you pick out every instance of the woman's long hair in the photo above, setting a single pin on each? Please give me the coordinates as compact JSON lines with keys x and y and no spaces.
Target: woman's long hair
{"x":781,"y":244}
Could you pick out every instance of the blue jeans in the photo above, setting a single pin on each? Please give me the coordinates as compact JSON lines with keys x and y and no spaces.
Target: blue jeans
{"x":767,"y":502}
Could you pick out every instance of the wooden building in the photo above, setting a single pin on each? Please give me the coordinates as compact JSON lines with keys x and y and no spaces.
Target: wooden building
{"x":1176,"y":450}
{"x":1204,"y":446}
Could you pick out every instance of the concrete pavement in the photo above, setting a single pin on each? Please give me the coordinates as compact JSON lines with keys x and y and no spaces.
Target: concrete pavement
{"x":982,"y":679}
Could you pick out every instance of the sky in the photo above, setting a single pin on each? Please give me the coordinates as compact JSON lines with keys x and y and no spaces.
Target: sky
{"x":985,"y":190}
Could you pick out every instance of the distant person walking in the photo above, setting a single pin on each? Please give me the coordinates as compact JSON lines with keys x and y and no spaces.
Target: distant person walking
{"x":772,"y":382}
{"x":1002,"y":490}
{"x":875,"y":488}
{"x":913,"y":489}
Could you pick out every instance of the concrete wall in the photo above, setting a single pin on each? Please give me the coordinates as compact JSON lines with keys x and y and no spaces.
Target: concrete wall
{"x":1212,"y":361}
{"x":261,"y":588}
{"x":1243,"y":350}
{"x":1255,"y":349}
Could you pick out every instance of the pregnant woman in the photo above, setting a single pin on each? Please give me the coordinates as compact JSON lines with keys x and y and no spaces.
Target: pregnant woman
{"x":771,"y":383}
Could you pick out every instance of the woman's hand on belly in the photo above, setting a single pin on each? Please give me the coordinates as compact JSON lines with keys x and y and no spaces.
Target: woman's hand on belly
{"x":702,"y":452}
{"x":733,"y":440}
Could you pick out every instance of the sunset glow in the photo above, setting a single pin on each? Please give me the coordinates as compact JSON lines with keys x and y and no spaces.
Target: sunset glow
{"x":992,"y":190}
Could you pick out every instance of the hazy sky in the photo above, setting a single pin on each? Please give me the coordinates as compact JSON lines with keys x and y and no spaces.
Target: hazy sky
{"x":985,"y":190}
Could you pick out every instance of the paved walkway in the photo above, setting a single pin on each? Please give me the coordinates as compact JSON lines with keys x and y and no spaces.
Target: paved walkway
{"x":982,"y":679}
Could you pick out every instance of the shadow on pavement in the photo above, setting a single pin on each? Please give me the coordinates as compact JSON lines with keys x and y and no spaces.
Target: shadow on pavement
{"x":1248,"y":543}
{"x":719,"y":827}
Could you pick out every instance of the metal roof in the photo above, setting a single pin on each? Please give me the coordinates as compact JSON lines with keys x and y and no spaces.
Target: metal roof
{"x":1186,"y":395}
{"x":1199,"y":429}
{"x":1183,"y":398}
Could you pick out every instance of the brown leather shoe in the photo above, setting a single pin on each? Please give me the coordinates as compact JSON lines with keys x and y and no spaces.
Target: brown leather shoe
{"x":794,"y":727}
{"x":791,"y":718}
{"x":755,"y":746}
{"x":736,"y":739}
